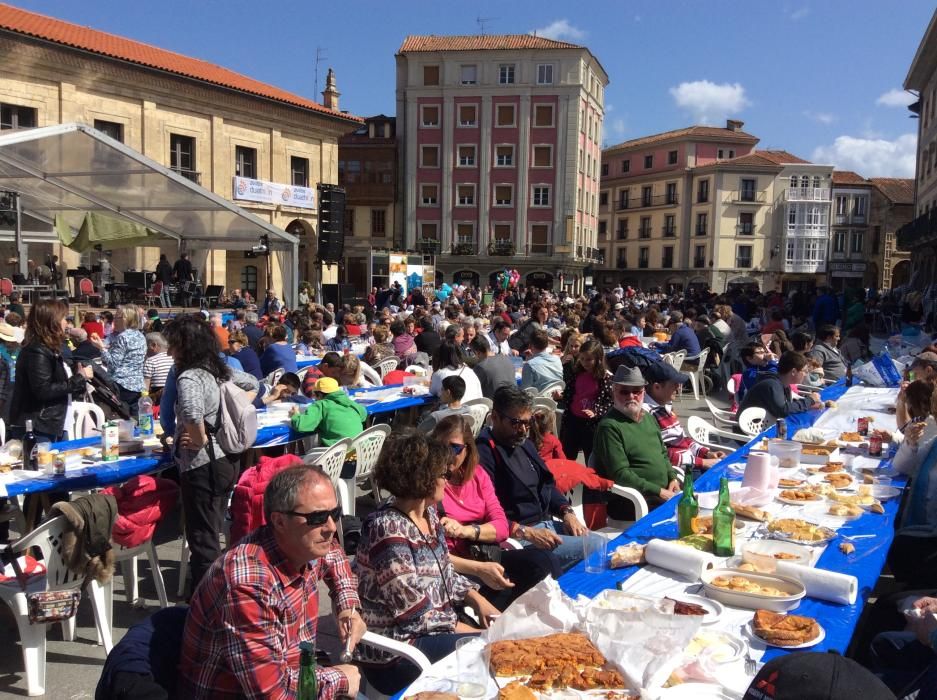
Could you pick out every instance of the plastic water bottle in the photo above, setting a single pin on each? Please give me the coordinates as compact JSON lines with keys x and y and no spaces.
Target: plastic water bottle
{"x":145,"y":415}
{"x":886,"y":350}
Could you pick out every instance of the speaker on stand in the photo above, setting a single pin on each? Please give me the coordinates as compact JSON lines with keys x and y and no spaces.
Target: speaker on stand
{"x":331,"y":223}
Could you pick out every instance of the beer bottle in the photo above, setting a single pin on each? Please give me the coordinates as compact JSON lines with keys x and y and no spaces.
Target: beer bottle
{"x":688,"y":508}
{"x":724,"y":523}
{"x":307,"y":688}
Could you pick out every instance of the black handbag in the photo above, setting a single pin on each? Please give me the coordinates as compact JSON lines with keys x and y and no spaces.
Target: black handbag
{"x":484,"y":551}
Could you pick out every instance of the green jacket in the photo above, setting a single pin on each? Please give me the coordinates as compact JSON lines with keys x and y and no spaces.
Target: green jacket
{"x":334,"y":416}
{"x":632,"y":454}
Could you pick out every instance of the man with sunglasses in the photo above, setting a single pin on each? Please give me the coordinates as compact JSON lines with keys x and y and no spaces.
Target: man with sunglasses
{"x":538,"y":514}
{"x":260,"y":600}
{"x":629,"y":448}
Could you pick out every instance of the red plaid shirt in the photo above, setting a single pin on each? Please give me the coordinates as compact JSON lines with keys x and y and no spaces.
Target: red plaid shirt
{"x":248,"y":617}
{"x":681,"y":448}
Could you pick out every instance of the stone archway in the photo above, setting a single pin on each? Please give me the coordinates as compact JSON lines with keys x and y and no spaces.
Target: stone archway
{"x":541,"y":279}
{"x":901,"y":274}
{"x":306,"y":234}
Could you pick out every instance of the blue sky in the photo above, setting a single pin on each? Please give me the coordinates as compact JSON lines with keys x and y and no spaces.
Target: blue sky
{"x":819,"y":78}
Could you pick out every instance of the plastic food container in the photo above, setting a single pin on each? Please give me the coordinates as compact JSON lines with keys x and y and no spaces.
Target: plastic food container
{"x":787,"y":452}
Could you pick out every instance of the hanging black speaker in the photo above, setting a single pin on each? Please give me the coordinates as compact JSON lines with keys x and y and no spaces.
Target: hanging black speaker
{"x":331,"y":223}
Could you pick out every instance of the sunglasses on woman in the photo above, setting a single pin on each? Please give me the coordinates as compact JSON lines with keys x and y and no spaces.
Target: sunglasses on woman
{"x":318,"y":518}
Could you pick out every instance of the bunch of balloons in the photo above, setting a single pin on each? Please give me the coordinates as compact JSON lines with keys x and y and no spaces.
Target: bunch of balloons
{"x":443,"y":292}
{"x":508,"y":279}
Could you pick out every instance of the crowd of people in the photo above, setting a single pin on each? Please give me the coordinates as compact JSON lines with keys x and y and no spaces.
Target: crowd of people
{"x":436,"y":547}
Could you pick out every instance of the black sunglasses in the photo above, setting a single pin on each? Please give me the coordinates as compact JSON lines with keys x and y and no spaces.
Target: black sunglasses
{"x":318,"y":517}
{"x":518,"y":422}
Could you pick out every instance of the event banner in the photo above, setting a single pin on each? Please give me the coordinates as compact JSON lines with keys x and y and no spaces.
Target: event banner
{"x":274,"y":193}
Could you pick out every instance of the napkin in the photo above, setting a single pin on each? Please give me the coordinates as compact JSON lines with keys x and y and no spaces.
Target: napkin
{"x":678,"y":558}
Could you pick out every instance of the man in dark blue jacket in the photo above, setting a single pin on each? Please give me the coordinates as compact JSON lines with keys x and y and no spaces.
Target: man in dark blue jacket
{"x":522,"y":482}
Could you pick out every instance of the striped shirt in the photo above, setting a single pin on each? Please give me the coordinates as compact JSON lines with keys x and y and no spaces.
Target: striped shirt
{"x":681,"y":448}
{"x":248,"y":617}
{"x":156,"y":369}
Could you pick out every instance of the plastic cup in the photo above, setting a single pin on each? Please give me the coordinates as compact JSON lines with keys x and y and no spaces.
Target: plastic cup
{"x":787,"y":451}
{"x":595,"y":552}
{"x":472,"y":675}
{"x":881,"y":480}
{"x":44,"y":456}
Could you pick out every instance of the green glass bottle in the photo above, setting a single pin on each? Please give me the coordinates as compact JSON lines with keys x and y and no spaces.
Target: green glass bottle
{"x":688,"y":508}
{"x":308,"y":688}
{"x":724,"y":523}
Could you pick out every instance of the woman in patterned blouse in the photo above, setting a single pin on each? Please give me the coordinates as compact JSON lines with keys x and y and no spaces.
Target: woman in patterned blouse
{"x":125,"y":356}
{"x":408,"y":586}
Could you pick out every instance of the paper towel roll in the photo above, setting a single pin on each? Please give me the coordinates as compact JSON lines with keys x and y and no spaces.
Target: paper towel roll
{"x":679,"y":558}
{"x":823,"y":584}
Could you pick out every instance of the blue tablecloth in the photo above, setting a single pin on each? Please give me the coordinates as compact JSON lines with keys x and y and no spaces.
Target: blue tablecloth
{"x":865,"y":564}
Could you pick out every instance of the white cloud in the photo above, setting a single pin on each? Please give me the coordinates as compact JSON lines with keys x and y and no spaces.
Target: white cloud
{"x":617,"y":128}
{"x":560,"y":29}
{"x":709,"y":101}
{"x":822,"y":117}
{"x":871,"y":157}
{"x":799,"y":13}
{"x":895,"y":98}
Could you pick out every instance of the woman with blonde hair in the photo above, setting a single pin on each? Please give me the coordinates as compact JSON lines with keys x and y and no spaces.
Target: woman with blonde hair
{"x":126,"y":354}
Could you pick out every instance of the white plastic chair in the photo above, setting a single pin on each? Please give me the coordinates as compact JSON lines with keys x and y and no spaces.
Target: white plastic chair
{"x":674,"y":359}
{"x":551,"y":389}
{"x":698,"y":375}
{"x":392,"y":646}
{"x":57,"y":577}
{"x":730,"y":386}
{"x":3,"y":432}
{"x":704,"y":433}
{"x":367,"y":448}
{"x":127,"y":557}
{"x":331,"y":460}
{"x":272,"y":378}
{"x":751,"y":420}
{"x":720,"y":415}
{"x":532,"y":390}
{"x":84,"y":412}
{"x":370,"y":376}
{"x":385,"y":366}
{"x":478,"y":409}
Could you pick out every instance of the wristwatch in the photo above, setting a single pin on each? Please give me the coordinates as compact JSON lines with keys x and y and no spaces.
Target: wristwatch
{"x":565,"y":510}
{"x":478,"y":532}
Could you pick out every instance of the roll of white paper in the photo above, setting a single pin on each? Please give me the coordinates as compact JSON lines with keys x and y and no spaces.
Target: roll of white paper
{"x":823,"y":584}
{"x":679,"y":558}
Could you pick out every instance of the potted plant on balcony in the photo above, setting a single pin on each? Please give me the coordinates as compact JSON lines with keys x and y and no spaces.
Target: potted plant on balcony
{"x":501,"y":247}
{"x":429,"y":245}
{"x":463,"y":249}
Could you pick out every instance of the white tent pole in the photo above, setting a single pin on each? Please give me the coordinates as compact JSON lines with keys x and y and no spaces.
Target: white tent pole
{"x":22,"y":250}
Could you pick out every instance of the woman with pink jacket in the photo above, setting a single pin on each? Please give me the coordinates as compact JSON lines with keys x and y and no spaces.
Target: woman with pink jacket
{"x":476,"y":526}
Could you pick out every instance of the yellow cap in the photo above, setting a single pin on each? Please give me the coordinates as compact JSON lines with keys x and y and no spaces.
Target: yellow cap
{"x":326,"y":385}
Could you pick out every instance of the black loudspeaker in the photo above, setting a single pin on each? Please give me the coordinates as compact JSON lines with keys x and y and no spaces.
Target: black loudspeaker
{"x":331,"y":223}
{"x":330,"y":295}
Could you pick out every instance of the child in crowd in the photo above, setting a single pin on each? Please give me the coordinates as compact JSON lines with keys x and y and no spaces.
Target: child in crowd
{"x":542,"y":433}
{"x":450,"y":402}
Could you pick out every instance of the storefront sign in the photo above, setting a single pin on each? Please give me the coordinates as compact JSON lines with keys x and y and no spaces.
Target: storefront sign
{"x":847,"y":267}
{"x":274,"y":193}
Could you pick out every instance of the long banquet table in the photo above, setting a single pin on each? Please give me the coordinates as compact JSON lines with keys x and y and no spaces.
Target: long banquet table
{"x":873,"y":533}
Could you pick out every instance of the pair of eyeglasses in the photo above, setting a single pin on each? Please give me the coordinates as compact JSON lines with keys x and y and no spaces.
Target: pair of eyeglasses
{"x":629,"y":390}
{"x":318,"y":518}
{"x":457,"y":447}
{"x":518,"y":422}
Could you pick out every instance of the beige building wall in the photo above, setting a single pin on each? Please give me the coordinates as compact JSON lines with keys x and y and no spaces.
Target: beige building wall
{"x":66,"y":86}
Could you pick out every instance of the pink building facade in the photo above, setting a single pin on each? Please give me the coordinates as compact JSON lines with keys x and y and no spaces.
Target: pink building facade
{"x":499,"y":140}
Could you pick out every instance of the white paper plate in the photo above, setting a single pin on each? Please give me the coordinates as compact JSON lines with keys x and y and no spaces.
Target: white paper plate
{"x":722,"y":647}
{"x":820,"y":512}
{"x":885,"y":493}
{"x":750,"y":630}
{"x":714,"y":607}
{"x":695,"y":691}
{"x":792,"y":502}
{"x":769,"y":548}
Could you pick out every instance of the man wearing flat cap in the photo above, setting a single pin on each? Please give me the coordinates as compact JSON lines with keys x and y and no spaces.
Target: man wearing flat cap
{"x":629,"y":448}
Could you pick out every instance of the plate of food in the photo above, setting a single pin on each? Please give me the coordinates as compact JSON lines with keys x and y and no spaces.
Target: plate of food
{"x":776,"y":550}
{"x":829,"y":468}
{"x":852,"y":438}
{"x":798,"y":497}
{"x":819,"y":453}
{"x":839,"y":480}
{"x":885,"y":493}
{"x":716,"y":646}
{"x":791,"y":483}
{"x":748,"y":589}
{"x":786,"y":631}
{"x":689,"y":604}
{"x":799,"y":531}
{"x":845,"y":511}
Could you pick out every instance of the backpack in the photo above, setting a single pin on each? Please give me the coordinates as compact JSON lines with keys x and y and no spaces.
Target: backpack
{"x":236,"y":426}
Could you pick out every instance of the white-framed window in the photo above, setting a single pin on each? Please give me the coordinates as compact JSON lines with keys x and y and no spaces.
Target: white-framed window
{"x":839,"y":242}
{"x":545,"y":74}
{"x":468,"y":115}
{"x":429,"y":194}
{"x":467,"y":156}
{"x":504,"y":195}
{"x":506,"y":73}
{"x":504,"y":115}
{"x":813,"y":250}
{"x":859,"y":206}
{"x":543,"y":115}
{"x":856,"y":242}
{"x":580,"y":162}
{"x":790,"y":252}
{"x":504,"y":156}
{"x":465,"y":195}
{"x":792,"y":215}
{"x":429,"y":156}
{"x":540,"y":196}
{"x":543,"y":156}
{"x":842,"y":204}
{"x":468,"y":74}
{"x":429,"y":116}
{"x":816,"y":182}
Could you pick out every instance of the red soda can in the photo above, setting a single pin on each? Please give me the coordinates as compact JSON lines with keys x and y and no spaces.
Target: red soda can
{"x":875,"y":446}
{"x":863,"y":426}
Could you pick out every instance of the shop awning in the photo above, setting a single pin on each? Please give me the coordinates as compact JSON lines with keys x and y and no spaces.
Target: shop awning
{"x":69,"y":170}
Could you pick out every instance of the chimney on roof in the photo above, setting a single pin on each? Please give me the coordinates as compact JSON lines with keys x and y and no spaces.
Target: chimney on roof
{"x":734,"y":125}
{"x":331,"y":93}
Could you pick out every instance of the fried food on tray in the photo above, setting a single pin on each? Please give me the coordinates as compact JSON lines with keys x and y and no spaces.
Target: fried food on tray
{"x":800,"y":495}
{"x":798,"y":529}
{"x":838,"y":480}
{"x":741,"y":584}
{"x":817,"y":450}
{"x":844,"y":510}
{"x":785,"y":630}
{"x":515,"y":690}
{"x":523,"y":657}
{"x":790,"y":483}
{"x":858,"y":499}
{"x":851,"y":437}
{"x":830,"y":467}
{"x":750,"y":512}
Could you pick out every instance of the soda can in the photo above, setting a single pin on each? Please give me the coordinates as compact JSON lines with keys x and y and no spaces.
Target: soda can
{"x":782,"y":429}
{"x":875,"y":446}
{"x":862,"y":426}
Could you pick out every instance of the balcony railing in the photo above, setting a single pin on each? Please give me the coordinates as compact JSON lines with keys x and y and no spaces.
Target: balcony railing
{"x":462,"y":246}
{"x":658,"y":200}
{"x":192,"y":175}
{"x":644,"y":232}
{"x":500,"y":246}
{"x":701,"y":231}
{"x":746,"y":197}
{"x":621,"y":263}
{"x":429,"y":246}
{"x":623,"y":204}
{"x":745,"y":229}
{"x":743,"y":263}
{"x":622,"y":233}
{"x":808,"y":266}
{"x":699,"y":262}
{"x":918,"y":232}
{"x":808,"y":194}
{"x":807,"y":231}
{"x":667,"y":263}
{"x":669,"y":231}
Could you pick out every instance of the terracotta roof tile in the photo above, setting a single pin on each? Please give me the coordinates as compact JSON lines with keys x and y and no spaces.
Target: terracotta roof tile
{"x":898,"y":189}
{"x":482,"y":42}
{"x":58,"y":31}
{"x":767,"y":157}
{"x":689,"y":133}
{"x":848,"y":177}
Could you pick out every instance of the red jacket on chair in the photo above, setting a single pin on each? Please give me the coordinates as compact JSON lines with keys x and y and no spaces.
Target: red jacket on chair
{"x":247,"y":504}
{"x":141,"y":504}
